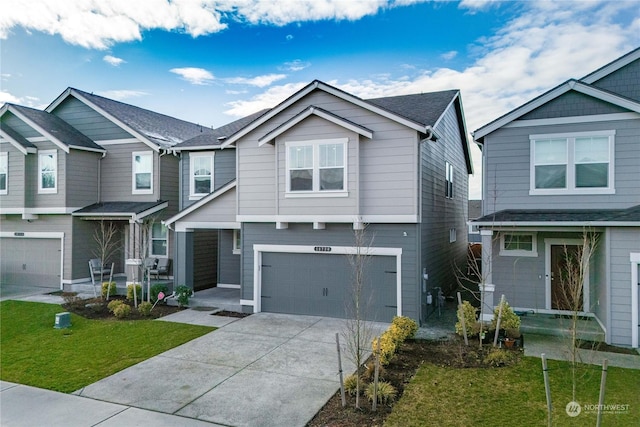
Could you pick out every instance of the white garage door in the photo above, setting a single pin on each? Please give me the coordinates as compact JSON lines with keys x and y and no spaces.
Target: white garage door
{"x":32,"y":262}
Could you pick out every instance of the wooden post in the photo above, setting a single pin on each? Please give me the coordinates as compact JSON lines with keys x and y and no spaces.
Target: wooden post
{"x":374,"y":405}
{"x":495,"y":336}
{"x":464,"y":326}
{"x":342,"y":396}
{"x":545,"y":373}
{"x":603,"y":382}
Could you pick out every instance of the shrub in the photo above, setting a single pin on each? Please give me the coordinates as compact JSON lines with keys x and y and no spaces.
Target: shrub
{"x":407,"y":326}
{"x":350,"y":384}
{"x":182,"y":295}
{"x":468,"y":312}
{"x":122,"y":311}
{"x":145,"y":308}
{"x":156,"y":289}
{"x":111,"y":286}
{"x":500,"y":357}
{"x":387,"y":347}
{"x":130,"y":292}
{"x":386,"y":392}
{"x":370,"y":371}
{"x":510,"y":320}
{"x":113,"y":304}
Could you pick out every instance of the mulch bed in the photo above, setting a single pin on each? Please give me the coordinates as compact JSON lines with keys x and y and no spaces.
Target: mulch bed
{"x":96,"y":308}
{"x":601,"y":346}
{"x":412,"y":353}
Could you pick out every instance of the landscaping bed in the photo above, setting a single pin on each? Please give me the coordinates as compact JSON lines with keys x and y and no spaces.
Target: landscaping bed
{"x":410,"y":356}
{"x":96,"y":308}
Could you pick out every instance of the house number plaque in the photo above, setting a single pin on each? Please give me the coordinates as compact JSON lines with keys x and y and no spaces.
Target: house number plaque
{"x":322,"y":248}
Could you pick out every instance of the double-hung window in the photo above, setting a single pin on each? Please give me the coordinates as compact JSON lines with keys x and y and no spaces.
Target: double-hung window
{"x":48,"y":171}
{"x":158,"y":240}
{"x":448,"y":180}
{"x":578,"y":163}
{"x":317,"y":167}
{"x":4,"y":172}
{"x":201,"y":167}
{"x":142,"y":171}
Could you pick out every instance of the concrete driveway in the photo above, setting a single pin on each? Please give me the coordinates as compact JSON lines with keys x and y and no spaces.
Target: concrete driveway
{"x":262,"y":370}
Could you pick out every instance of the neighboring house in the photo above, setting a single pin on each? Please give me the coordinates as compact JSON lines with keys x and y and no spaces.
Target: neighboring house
{"x":475,"y":212}
{"x":565,"y":163}
{"x":84,"y":160}
{"x":309,"y":172}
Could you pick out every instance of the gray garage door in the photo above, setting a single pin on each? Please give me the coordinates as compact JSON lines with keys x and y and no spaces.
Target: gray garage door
{"x":33,"y":262}
{"x":320,"y":285}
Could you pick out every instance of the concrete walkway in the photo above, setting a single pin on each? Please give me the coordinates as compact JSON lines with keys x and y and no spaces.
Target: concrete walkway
{"x":262,"y":370}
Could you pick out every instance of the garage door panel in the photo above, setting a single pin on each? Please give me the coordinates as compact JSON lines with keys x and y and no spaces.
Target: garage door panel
{"x":321,"y":285}
{"x":32,"y":262}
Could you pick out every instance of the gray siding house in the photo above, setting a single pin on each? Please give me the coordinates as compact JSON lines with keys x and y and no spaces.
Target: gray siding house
{"x":566,"y":163}
{"x":309,"y":172}
{"x":84,"y":160}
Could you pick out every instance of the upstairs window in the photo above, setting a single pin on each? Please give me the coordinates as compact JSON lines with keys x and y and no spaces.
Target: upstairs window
{"x":4,"y":172}
{"x":201,"y":167}
{"x":158,"y":240}
{"x":580,"y":163}
{"x":317,"y":167}
{"x":48,"y":171}
{"x":142,"y":173}
{"x":448,"y":180}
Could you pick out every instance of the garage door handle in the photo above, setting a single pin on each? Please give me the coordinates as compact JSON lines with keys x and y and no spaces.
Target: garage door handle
{"x":391,"y":306}
{"x":391,"y":272}
{"x":265,"y":265}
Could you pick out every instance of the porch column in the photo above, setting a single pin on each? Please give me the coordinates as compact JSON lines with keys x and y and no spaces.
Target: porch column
{"x":183,"y":256}
{"x":486,"y":286}
{"x":133,"y":260}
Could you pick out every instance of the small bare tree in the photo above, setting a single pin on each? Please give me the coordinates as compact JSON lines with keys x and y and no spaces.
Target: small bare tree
{"x":573,"y":274}
{"x":107,"y":245}
{"x":358,"y":332}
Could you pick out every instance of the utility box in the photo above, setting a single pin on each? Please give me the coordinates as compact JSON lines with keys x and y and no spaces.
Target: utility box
{"x":63,"y":320}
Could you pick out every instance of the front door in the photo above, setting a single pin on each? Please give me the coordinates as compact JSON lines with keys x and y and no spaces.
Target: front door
{"x":566,"y":294}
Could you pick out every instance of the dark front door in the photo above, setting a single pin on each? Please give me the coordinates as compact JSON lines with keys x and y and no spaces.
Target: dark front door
{"x":566,"y":292}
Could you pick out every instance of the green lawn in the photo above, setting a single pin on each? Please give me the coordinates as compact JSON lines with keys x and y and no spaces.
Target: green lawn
{"x":513,"y":396}
{"x":32,"y":352}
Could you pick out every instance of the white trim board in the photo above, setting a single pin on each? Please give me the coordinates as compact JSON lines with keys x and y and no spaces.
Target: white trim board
{"x":634,"y":258}
{"x":258,"y":249}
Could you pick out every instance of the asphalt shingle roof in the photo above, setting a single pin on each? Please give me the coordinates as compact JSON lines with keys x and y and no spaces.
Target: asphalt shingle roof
{"x":218,"y":135}
{"x":631,"y":214}
{"x":106,"y":208}
{"x":166,"y":131}
{"x":422,"y":108}
{"x":57,"y":127}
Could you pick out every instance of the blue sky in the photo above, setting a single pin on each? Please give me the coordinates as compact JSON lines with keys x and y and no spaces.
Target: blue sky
{"x":212,"y":61}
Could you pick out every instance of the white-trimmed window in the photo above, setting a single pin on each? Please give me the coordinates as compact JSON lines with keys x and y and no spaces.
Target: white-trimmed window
{"x":317,"y":167}
{"x":158,"y":239}
{"x":452,"y":235}
{"x":577,"y":163}
{"x":518,"y":244}
{"x":201,"y":170}
{"x":47,"y":171}
{"x":4,"y":173}
{"x":142,"y":171}
{"x":237,"y":241}
{"x":448,"y":180}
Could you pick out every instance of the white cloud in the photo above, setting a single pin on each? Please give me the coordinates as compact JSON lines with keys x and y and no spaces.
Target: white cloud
{"x":268,"y":99}
{"x":122,"y":94}
{"x":112,"y":60}
{"x":295,"y":65}
{"x":447,"y":56}
{"x":259,"y":81}
{"x":196,"y":76}
{"x":6,"y":97}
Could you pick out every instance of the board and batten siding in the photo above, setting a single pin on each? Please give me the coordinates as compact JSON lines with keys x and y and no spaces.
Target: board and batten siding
{"x":117,"y":172}
{"x":15,"y":197}
{"x":169,"y":180}
{"x":224,"y":171}
{"x":507,"y":169}
{"x":82,"y":178}
{"x":387,"y":164}
{"x":88,"y":121}
{"x":440,"y":257}
{"x":383,"y":235}
{"x":622,"y":242}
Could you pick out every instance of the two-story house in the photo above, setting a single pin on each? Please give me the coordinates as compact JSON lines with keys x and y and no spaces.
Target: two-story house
{"x":84,"y":160}
{"x":309,"y":172}
{"x":562,"y":166}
